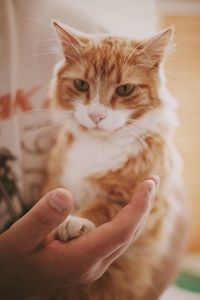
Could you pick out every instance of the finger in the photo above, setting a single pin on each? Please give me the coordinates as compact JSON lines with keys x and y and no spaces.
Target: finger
{"x":116,"y":253}
{"x":111,"y":236}
{"x":46,"y":215}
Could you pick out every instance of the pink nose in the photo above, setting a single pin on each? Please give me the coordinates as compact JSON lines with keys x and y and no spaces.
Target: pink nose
{"x":96,"y":118}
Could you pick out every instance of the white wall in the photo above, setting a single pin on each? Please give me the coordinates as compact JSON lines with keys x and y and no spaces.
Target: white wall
{"x":128,"y":17}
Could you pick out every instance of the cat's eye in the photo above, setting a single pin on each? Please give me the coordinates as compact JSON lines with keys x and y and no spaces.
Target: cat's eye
{"x":125,"y":89}
{"x":81,"y":85}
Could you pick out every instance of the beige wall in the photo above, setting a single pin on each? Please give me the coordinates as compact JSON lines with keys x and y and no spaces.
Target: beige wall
{"x":184,"y":83}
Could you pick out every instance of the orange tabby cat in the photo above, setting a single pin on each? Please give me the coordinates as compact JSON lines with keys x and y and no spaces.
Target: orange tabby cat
{"x":118,"y":132}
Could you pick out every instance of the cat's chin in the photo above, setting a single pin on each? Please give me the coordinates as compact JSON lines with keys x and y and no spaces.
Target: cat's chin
{"x":99,"y":131}
{"x":95,"y":131}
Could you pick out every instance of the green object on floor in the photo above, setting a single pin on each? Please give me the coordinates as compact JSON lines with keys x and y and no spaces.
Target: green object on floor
{"x":188,"y":282}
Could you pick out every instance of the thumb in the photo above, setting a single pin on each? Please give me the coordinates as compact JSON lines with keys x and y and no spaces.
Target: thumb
{"x":46,"y":215}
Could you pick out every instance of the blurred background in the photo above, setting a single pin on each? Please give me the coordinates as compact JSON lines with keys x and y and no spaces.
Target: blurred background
{"x":184,"y":83}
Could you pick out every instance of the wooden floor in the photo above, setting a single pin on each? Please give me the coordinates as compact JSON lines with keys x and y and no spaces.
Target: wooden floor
{"x":184,"y":83}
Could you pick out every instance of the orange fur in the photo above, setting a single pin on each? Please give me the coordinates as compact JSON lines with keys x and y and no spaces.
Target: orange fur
{"x":113,"y":61}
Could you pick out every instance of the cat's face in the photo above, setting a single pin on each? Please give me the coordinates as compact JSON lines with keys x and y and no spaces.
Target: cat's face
{"x":108,"y":82}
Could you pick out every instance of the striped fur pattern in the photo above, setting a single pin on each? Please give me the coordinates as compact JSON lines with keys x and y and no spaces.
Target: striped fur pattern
{"x":102,"y":162}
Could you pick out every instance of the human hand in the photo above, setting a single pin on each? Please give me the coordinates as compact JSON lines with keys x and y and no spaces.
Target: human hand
{"x":31,"y":263}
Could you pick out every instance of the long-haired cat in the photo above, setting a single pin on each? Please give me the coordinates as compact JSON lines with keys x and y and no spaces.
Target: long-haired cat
{"x":117,"y":133}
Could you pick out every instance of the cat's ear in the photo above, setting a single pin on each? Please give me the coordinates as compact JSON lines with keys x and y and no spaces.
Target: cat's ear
{"x":70,"y":40}
{"x":155,"y":48}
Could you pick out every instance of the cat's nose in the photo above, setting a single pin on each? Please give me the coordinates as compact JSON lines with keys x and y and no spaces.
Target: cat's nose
{"x":96,"y":118}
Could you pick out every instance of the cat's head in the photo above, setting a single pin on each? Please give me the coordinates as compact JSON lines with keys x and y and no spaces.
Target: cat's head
{"x":108,"y":82}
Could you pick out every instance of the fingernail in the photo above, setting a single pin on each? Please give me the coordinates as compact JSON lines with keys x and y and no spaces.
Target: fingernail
{"x":152,"y":191}
{"x":57,"y":202}
{"x":155,"y":179}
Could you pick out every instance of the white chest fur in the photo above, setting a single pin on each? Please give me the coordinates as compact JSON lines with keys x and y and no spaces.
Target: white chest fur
{"x":90,"y":155}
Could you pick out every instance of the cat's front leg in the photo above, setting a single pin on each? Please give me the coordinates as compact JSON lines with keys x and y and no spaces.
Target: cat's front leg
{"x":73,"y":227}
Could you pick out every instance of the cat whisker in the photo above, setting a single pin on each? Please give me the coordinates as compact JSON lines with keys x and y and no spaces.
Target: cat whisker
{"x":42,"y":129}
{"x":49,"y":110}
{"x":142,"y":92}
{"x":152,"y":135}
{"x":146,"y":147}
{"x":48,"y":124}
{"x":170,"y":74}
{"x":78,"y":54}
{"x":145,"y":134}
{"x":39,"y":21}
{"x":50,"y":113}
{"x":46,"y":53}
{"x":137,"y":136}
{"x":131,"y":68}
{"x":127,"y":60}
{"x":45,"y":41}
{"x":141,"y":124}
{"x":131,"y":54}
{"x":69,"y":43}
{"x":76,"y":61}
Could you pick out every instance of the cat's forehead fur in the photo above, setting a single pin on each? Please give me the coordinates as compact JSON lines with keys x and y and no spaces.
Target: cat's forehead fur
{"x":109,"y":55}
{"x":108,"y":59}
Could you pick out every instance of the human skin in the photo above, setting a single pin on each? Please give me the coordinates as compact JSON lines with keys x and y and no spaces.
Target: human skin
{"x":32,"y":261}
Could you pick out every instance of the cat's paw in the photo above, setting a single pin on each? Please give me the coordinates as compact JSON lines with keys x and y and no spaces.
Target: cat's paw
{"x":73,"y":227}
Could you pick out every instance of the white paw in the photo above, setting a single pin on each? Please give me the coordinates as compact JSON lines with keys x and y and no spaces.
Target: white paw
{"x":73,"y":227}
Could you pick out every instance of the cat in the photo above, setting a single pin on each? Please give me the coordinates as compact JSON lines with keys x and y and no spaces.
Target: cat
{"x":118,"y":132}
